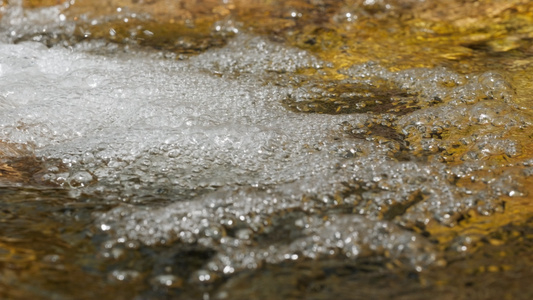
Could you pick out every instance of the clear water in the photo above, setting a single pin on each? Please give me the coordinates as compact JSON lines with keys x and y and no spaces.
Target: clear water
{"x":185,"y":176}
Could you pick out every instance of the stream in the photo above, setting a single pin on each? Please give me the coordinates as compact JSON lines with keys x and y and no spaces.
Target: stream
{"x":266,"y":149}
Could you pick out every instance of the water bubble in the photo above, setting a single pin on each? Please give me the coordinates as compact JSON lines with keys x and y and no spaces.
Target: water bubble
{"x":244,"y":234}
{"x":203,"y":277}
{"x":124,"y":275}
{"x":80,"y":179}
{"x":167,"y":280}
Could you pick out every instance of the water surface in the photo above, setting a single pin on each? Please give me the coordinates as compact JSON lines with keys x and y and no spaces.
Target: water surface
{"x":261,"y":150}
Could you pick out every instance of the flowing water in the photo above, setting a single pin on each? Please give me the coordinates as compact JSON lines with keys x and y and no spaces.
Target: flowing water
{"x":266,"y":149}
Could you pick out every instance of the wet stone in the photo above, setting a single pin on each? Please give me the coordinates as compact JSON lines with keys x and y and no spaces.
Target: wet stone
{"x":346,"y":98}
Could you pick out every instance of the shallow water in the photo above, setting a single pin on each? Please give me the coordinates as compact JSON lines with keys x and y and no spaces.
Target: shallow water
{"x":254,"y":151}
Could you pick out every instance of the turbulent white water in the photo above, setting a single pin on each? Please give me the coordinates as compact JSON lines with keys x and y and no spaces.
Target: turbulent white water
{"x":210,"y":138}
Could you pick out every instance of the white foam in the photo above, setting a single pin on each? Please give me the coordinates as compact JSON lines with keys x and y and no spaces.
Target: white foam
{"x":167,"y":114}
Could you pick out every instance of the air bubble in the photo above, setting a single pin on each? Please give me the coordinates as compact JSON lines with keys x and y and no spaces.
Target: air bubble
{"x":203,"y":276}
{"x":124,"y":275}
{"x":80,"y":179}
{"x":167,"y":280}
